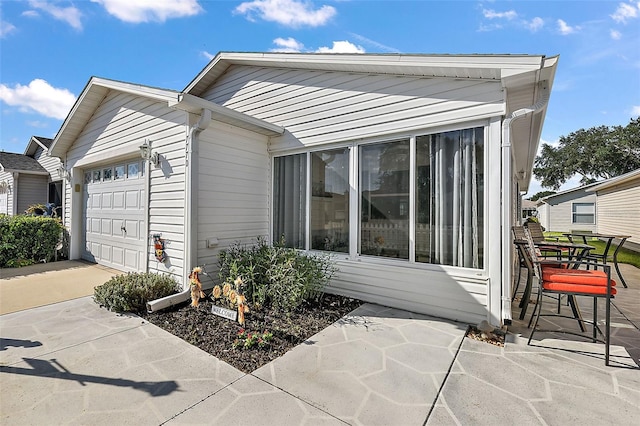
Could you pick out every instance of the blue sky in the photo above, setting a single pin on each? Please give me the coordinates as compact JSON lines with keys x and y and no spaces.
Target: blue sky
{"x":50,"y":49}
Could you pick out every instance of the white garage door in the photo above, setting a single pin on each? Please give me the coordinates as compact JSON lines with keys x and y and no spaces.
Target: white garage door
{"x":114,"y":214}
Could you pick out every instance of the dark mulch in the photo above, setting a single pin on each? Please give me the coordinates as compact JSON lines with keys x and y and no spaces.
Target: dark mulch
{"x":495,"y":338}
{"x":216,"y":335}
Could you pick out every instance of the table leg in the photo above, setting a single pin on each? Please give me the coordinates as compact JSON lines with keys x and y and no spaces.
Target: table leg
{"x":615,"y":261}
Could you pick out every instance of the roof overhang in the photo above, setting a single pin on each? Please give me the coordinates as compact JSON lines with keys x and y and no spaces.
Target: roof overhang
{"x":97,"y":90}
{"x":479,"y":67}
{"x":33,"y":145}
{"x":526,"y":79}
{"x":618,"y":180}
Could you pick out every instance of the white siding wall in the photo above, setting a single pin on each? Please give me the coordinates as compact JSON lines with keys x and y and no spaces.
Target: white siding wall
{"x":119,"y":125}
{"x":50,"y":164}
{"x":319,"y":108}
{"x":618,"y":210}
{"x":6,"y":198}
{"x":560,"y":214}
{"x":31,"y":189}
{"x":233,"y":198}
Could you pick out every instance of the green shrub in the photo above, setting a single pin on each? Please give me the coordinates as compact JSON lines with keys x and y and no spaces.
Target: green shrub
{"x":276,"y":276}
{"x":131,"y":292}
{"x":28,"y":239}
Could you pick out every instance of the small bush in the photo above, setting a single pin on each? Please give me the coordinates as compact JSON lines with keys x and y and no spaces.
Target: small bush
{"x":131,"y":292}
{"x":27,"y":239}
{"x":276,"y":276}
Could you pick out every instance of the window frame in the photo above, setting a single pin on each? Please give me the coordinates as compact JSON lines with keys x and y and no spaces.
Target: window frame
{"x":574,"y":214}
{"x":354,"y":202}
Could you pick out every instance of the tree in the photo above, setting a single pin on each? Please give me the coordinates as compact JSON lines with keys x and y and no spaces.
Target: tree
{"x":597,"y":153}
{"x":541,"y":194}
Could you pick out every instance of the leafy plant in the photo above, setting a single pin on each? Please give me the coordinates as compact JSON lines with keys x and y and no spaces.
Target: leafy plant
{"x":27,"y":239}
{"x":276,"y":276}
{"x":131,"y":292}
{"x":247,"y":339}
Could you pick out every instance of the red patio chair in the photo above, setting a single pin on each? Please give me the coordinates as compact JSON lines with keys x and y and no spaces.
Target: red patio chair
{"x":573,"y":282}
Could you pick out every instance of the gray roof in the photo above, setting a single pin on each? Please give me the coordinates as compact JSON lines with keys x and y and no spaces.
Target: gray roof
{"x":44,"y":141}
{"x":20,"y":163}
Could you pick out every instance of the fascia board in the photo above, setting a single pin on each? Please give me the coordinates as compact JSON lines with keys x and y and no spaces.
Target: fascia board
{"x":194,"y":104}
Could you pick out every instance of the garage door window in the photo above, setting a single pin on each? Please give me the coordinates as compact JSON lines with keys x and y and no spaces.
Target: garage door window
{"x":133,"y":170}
{"x":107,"y":174}
{"x":119,"y":172}
{"x":96,"y":175}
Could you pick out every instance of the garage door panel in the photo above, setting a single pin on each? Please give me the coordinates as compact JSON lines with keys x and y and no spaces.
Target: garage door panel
{"x":115,"y":215}
{"x":118,"y":200}
{"x":106,"y":227}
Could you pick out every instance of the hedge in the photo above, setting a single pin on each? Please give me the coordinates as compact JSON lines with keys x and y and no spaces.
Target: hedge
{"x":28,"y":239}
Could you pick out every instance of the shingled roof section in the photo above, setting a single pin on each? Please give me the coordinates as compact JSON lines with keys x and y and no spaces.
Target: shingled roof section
{"x":44,"y":141}
{"x":20,"y":163}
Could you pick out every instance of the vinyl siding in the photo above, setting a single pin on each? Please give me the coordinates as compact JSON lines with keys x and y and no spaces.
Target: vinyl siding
{"x":618,"y":210}
{"x":559,"y":214}
{"x":233,"y":194}
{"x":50,"y":164}
{"x":31,"y":189}
{"x":118,"y":126}
{"x":320,"y":107}
{"x":6,"y":198}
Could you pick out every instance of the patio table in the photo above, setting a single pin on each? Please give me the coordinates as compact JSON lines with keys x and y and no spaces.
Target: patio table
{"x":604,"y":256}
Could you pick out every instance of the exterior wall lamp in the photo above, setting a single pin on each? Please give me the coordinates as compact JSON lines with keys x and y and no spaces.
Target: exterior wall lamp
{"x":147,"y":154}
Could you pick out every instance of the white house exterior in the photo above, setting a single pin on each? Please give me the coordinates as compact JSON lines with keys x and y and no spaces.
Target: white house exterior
{"x":618,"y":207}
{"x":29,"y":178}
{"x":406,"y":167}
{"x":571,"y":210}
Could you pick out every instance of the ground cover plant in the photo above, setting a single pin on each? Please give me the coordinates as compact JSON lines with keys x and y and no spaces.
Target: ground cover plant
{"x":278,"y":293}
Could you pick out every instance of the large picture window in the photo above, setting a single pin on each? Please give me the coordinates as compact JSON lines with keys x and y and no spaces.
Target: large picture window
{"x":289,"y":200}
{"x":419,"y":199}
{"x":384,"y":199}
{"x":449,"y":198}
{"x":330,"y":200}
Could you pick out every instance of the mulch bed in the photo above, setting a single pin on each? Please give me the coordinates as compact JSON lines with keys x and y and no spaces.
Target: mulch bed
{"x":495,"y":338}
{"x":215,"y":335}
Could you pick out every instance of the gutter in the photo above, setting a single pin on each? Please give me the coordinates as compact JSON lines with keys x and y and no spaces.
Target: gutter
{"x":191,"y":215}
{"x":507,"y":199}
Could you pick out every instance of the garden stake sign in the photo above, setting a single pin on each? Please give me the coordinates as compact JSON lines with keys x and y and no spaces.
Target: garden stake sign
{"x":158,"y":244}
{"x":196,"y":287}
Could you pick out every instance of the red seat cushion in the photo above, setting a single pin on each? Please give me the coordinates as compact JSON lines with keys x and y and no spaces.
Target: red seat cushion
{"x":575,"y":276}
{"x":578,"y":288}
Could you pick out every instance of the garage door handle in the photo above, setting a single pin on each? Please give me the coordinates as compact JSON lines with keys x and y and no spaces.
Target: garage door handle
{"x":123,"y":228}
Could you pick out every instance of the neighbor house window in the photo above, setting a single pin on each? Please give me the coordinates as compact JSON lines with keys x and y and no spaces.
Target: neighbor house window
{"x":583,"y":213}
{"x":330,"y":200}
{"x":290,"y":200}
{"x":419,"y":199}
{"x":384,"y":199}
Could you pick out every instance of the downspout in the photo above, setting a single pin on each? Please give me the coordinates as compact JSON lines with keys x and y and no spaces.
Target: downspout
{"x":191,"y":215}
{"x":507,"y":200}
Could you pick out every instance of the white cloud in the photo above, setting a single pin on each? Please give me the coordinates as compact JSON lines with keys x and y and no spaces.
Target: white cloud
{"x":626,"y":11}
{"x":375,"y":43}
{"x":287,"y":45}
{"x":492,"y":14}
{"x":137,"y":11}
{"x":207,"y":55}
{"x":71,"y":14}
{"x":565,"y":29}
{"x":38,"y":124}
{"x":342,"y":47}
{"x":6,"y":28}
{"x":30,"y":13}
{"x":635,"y":110}
{"x":535,"y":24}
{"x":292,"y":13}
{"x":615,"y":35}
{"x":39,"y":96}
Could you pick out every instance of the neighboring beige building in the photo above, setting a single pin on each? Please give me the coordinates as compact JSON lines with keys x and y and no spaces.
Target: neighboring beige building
{"x":570,"y":210}
{"x":618,"y":207}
